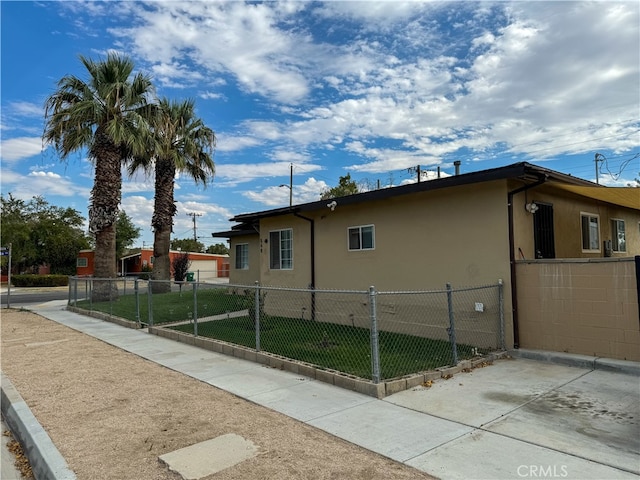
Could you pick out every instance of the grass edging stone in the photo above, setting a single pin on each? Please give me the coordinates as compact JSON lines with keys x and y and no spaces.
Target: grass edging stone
{"x":274,"y":361}
{"x":339,"y":379}
{"x":123,"y":322}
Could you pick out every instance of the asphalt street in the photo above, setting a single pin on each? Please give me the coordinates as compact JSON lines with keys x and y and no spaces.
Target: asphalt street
{"x":19,"y":296}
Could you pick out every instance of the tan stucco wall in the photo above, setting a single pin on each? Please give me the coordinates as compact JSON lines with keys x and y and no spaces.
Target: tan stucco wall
{"x":252,"y":274}
{"x":567,"y":208}
{"x":422,"y":241}
{"x":580,"y":306}
{"x":458,"y":235}
{"x":300,"y":275}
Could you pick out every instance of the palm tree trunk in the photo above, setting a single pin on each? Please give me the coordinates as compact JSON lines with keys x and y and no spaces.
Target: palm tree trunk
{"x":161,"y":261}
{"x":103,"y":214}
{"x":164,"y":209}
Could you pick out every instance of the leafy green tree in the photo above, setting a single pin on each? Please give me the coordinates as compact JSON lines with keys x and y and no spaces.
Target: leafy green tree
{"x":16,"y":230}
{"x":345,"y":187}
{"x":106,"y":115}
{"x":186,"y":245}
{"x":218,"y":248}
{"x":41,"y":233}
{"x":181,"y":142}
{"x":126,"y":233}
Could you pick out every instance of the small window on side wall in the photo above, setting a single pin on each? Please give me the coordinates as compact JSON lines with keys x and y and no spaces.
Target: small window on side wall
{"x":242,"y":256}
{"x":618,"y":238}
{"x":81,"y":262}
{"x":362,"y":237}
{"x":590,"y":224}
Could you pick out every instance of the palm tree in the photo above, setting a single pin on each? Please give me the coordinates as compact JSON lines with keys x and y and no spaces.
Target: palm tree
{"x":180,"y":142}
{"x":105,"y":115}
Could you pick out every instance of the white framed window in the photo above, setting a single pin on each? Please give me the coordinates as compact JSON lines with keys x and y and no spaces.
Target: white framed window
{"x":590,"y":226}
{"x":153,"y":259}
{"x":242,"y":256}
{"x":81,"y":262}
{"x":361,"y":237}
{"x":281,"y":249}
{"x":618,"y":238}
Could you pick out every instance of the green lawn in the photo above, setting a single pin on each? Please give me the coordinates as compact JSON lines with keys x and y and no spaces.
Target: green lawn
{"x":344,"y":348}
{"x":170,"y":307}
{"x":338,"y":347}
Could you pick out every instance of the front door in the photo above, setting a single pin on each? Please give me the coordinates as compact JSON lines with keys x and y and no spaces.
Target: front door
{"x":543,"y":231}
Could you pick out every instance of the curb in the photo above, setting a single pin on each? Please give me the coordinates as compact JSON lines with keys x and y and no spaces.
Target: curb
{"x":46,"y":461}
{"x":580,"y":361}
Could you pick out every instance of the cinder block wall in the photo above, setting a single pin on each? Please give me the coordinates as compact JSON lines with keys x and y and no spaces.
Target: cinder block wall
{"x":584,"y":306}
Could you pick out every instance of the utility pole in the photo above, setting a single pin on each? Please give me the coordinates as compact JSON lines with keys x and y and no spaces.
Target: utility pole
{"x":417,"y":170}
{"x":598,"y":158}
{"x":193,"y":216}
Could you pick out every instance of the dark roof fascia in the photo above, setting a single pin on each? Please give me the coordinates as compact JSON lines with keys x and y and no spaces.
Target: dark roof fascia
{"x":523,"y":171}
{"x":234,"y":233}
{"x":244,"y":228}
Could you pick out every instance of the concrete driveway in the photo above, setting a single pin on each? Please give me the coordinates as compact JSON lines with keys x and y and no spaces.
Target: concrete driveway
{"x":527,"y":415}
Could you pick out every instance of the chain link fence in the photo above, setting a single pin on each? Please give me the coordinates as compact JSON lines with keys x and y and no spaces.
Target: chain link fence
{"x":369,"y":334}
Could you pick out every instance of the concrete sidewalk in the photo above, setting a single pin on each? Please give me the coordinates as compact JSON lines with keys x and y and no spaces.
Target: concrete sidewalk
{"x":518,"y":418}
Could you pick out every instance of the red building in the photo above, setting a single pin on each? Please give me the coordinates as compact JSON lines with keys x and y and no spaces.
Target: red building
{"x":205,"y":265}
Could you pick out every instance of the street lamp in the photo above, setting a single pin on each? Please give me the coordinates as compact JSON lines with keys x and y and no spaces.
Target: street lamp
{"x":290,"y":186}
{"x":290,"y":192}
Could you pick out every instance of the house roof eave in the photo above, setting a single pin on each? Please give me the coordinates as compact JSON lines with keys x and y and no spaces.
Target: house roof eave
{"x":523,"y":170}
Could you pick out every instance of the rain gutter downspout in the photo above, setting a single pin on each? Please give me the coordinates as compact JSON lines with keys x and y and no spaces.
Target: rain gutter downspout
{"x":312,"y":286}
{"x":512,"y":258}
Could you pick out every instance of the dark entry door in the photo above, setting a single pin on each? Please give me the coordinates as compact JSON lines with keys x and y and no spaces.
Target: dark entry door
{"x":543,"y":231}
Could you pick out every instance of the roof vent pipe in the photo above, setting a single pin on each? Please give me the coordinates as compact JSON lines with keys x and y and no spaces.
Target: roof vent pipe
{"x":457,"y":165}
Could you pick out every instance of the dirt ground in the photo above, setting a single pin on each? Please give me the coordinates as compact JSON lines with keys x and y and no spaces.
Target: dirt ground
{"x":111,"y":413}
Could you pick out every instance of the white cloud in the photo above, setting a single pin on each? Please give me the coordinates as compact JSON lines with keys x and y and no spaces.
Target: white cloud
{"x":228,"y":37}
{"x":230,"y":143}
{"x":44,"y":175}
{"x":135,"y":187}
{"x":26,"y":109}
{"x":234,"y":174}
{"x":41,"y":183}
{"x":19,"y":148}
{"x":275,"y":196}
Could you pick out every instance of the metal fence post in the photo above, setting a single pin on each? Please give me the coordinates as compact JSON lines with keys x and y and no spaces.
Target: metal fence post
{"x":111,"y":285}
{"x":452,"y":329}
{"x":195,"y":309}
{"x":150,"y":303}
{"x":256,"y":315}
{"x":136,"y":292}
{"x":375,"y":347}
{"x":75,"y":291}
{"x":501,"y":312}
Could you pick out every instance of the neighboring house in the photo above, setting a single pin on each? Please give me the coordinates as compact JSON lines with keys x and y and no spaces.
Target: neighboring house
{"x":208,"y":266}
{"x":466,"y":230}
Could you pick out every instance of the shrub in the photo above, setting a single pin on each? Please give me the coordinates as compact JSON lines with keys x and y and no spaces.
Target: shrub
{"x":145,"y":272}
{"x":250,"y":302}
{"x":180,"y":266}
{"x":39,"y":280}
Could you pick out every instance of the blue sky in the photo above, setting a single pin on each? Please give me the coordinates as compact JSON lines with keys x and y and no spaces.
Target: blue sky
{"x":361,"y":87}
